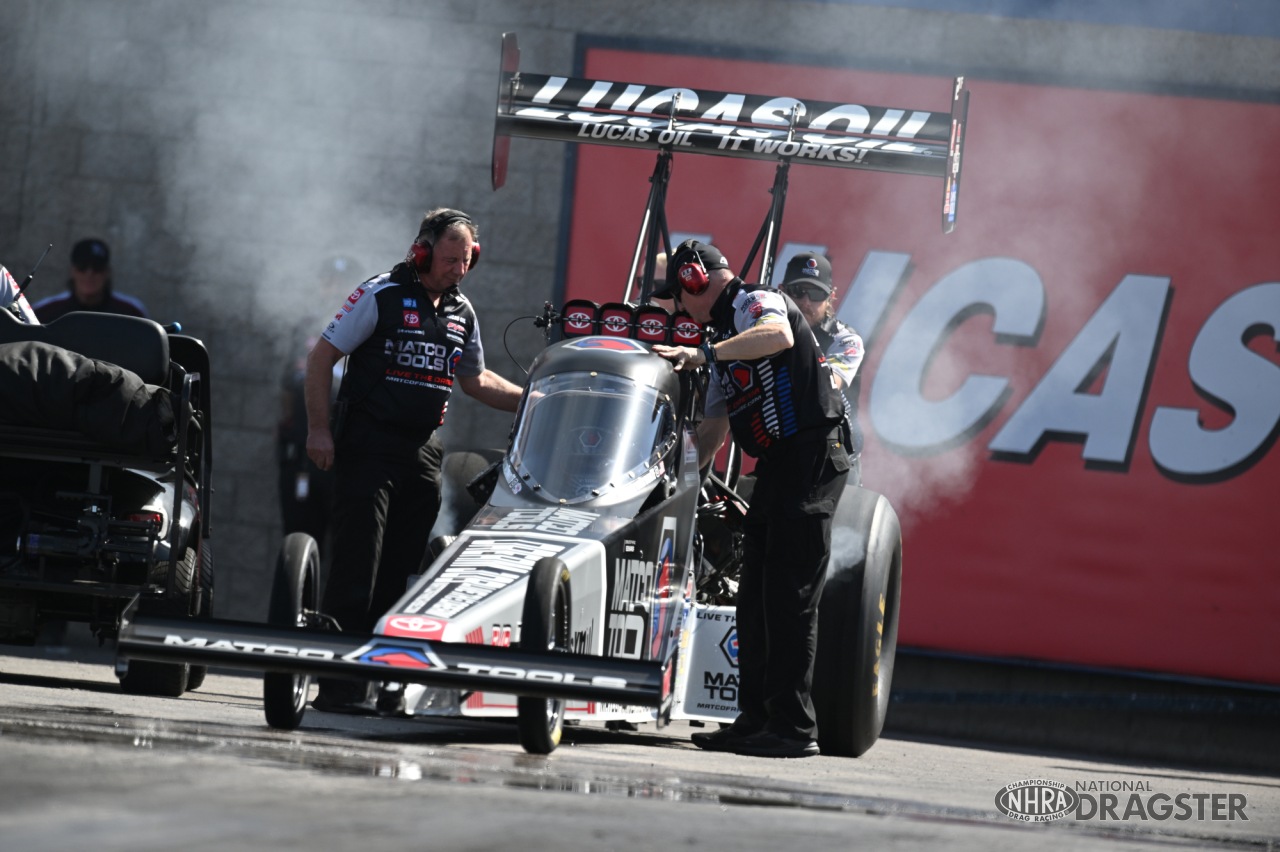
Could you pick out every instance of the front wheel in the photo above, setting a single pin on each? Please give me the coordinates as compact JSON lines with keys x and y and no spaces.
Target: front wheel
{"x":295,"y":591}
{"x":149,"y":677}
{"x":203,"y":606}
{"x":544,"y":626}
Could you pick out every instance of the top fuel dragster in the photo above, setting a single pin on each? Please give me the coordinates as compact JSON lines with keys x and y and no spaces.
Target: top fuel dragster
{"x":596,"y":579}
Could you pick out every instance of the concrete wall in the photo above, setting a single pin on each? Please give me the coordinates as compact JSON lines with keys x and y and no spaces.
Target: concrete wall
{"x":230,"y":150}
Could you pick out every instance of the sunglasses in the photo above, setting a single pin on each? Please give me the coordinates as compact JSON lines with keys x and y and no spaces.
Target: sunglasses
{"x":803,"y":291}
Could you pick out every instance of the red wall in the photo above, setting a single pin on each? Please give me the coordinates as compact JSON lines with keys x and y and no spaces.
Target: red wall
{"x":1091,"y":541}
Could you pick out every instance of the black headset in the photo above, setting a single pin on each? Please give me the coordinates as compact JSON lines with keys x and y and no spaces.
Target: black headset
{"x":420,"y":252}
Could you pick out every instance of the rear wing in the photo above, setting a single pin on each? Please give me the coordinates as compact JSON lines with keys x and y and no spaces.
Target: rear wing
{"x":729,"y":124}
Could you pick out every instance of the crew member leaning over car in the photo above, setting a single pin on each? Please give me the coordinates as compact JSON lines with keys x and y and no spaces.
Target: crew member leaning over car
{"x":772,"y":387}
{"x":410,"y":334}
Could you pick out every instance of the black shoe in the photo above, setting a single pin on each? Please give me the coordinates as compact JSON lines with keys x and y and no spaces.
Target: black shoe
{"x":723,"y":739}
{"x":769,"y":744}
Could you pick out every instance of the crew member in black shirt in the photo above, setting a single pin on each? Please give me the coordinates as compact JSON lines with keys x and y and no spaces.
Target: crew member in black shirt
{"x":771,"y":386}
{"x":409,"y":334}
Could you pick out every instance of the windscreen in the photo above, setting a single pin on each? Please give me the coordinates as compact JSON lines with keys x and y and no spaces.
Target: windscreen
{"x":582,"y":434}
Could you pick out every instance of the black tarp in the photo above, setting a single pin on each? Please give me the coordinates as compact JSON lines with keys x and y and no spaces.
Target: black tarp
{"x":50,"y":387}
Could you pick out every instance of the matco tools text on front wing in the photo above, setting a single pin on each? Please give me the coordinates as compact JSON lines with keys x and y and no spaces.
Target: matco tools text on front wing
{"x":451,"y":665}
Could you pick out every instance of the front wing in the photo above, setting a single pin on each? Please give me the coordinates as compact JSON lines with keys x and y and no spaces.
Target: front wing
{"x":451,"y":665}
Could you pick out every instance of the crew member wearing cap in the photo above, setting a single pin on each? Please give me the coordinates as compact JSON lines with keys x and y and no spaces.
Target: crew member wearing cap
{"x":771,"y":386}
{"x":89,"y":287}
{"x":807,"y":281}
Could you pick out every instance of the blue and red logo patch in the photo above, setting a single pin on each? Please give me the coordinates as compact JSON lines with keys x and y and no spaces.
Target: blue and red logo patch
{"x":729,"y":645}
{"x":609,"y":344}
{"x":396,"y":655}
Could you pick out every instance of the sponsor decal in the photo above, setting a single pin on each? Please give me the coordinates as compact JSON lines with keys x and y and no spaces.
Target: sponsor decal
{"x":454,"y":357}
{"x":687,"y":332}
{"x":590,"y":439}
{"x":356,"y":296}
{"x":455,"y":327}
{"x":729,"y":646}
{"x":412,"y":319}
{"x":666,"y":596}
{"x":741,"y":375}
{"x":415,"y":625}
{"x":417,"y":354}
{"x":501,"y":636}
{"x":245,"y":647}
{"x":629,"y":605}
{"x":1114,"y":800}
{"x":721,"y":687}
{"x":544,"y":675}
{"x":832,"y":132}
{"x":615,"y":324}
{"x":559,"y":521}
{"x":410,"y":303}
{"x":396,"y":655}
{"x":609,"y":344}
{"x":578,"y":321}
{"x":652,"y":328}
{"x":513,"y":481}
{"x":483,"y":566}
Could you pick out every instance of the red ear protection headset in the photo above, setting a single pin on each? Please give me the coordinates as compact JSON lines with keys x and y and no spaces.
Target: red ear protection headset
{"x":420,"y":252}
{"x":692,"y":274}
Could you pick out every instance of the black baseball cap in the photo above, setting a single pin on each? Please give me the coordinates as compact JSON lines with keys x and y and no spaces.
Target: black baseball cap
{"x":808,"y":268}
{"x":684,"y":253}
{"x":90,"y":254}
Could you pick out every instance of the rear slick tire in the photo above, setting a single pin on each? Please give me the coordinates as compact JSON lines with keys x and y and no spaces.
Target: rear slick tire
{"x":295,"y":591}
{"x":544,"y":626}
{"x":858,"y":624}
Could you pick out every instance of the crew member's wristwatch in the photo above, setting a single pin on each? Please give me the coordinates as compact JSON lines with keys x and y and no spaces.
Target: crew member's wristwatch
{"x":708,"y":351}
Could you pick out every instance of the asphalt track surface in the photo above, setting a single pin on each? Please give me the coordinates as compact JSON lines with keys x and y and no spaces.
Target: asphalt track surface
{"x":84,"y":766}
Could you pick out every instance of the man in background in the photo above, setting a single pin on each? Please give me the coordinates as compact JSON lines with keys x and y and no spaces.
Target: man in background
{"x":808,"y":282}
{"x":89,"y":287}
{"x":306,"y":491}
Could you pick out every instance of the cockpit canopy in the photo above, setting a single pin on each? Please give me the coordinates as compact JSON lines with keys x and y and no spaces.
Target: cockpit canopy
{"x":584,"y":434}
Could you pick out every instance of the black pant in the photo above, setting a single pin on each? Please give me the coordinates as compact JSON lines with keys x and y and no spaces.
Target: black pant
{"x":388,"y":495}
{"x":786,"y":549}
